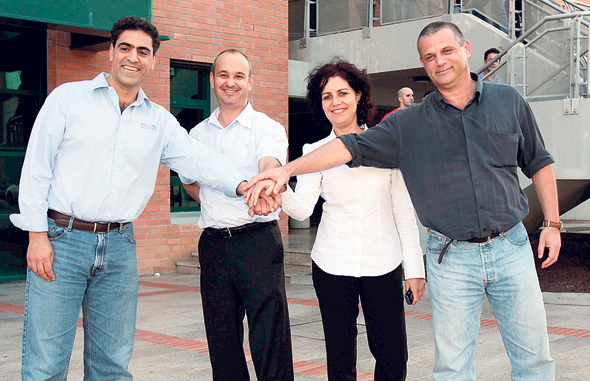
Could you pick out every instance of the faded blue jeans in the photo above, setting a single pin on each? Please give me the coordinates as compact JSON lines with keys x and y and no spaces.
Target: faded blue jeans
{"x":502,"y":269}
{"x":95,"y":272}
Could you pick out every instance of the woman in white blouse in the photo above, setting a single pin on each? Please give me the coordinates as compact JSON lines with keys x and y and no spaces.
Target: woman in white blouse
{"x":366,"y":231}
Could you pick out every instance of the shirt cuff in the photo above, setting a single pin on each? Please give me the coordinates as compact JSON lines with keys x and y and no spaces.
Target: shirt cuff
{"x":230,"y":188}
{"x":537,"y":164}
{"x":289,"y":202}
{"x":30,"y":222}
{"x":414,"y":266}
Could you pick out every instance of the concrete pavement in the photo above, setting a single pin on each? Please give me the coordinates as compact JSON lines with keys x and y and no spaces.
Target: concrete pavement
{"x":171,"y":342}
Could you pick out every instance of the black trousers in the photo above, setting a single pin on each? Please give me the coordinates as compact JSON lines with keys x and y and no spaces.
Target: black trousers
{"x":383,"y":308}
{"x":243,"y":275}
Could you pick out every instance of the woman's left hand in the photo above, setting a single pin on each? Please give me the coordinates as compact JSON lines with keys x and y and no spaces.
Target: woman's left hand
{"x":417,"y":285}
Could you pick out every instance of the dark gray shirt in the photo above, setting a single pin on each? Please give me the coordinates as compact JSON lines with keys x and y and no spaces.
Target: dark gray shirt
{"x":460,"y":166}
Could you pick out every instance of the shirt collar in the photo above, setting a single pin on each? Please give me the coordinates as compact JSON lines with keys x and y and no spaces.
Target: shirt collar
{"x":100,"y":81}
{"x":333,"y":134}
{"x":476,"y":94}
{"x":244,"y":119}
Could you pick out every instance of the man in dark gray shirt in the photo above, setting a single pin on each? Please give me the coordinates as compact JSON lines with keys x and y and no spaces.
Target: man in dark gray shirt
{"x":459,"y":158}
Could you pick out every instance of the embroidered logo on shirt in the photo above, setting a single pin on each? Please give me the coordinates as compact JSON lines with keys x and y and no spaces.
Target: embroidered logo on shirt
{"x":149,"y":126}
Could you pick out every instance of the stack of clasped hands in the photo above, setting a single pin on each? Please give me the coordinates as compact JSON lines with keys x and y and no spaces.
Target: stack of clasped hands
{"x":264,"y":190}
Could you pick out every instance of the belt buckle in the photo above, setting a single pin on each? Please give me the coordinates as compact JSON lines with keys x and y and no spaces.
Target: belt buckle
{"x":489,"y":238}
{"x":228,"y":232}
{"x":107,"y":223}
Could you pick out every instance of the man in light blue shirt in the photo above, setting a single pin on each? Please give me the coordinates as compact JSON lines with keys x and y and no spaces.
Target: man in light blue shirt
{"x":90,"y":169}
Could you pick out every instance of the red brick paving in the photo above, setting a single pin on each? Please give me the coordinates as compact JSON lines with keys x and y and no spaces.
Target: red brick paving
{"x":300,"y":367}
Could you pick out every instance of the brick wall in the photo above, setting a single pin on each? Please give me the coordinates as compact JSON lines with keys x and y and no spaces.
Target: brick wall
{"x":198,"y":31}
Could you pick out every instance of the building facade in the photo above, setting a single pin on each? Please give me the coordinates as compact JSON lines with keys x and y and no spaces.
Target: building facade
{"x":48,"y":47}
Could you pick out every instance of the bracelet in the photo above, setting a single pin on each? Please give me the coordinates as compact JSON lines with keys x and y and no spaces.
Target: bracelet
{"x":551,"y":224}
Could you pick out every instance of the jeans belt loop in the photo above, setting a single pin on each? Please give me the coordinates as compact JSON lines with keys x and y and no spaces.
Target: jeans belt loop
{"x":71,"y":223}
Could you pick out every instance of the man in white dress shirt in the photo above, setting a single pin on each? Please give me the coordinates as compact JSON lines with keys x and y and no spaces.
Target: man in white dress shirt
{"x":94,"y":155}
{"x":241,"y":256}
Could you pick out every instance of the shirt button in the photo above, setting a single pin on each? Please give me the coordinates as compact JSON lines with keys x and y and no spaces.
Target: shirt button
{"x":473,"y":159}
{"x":116,"y":169}
{"x":477,"y":183}
{"x":481,"y":207}
{"x":114,"y":191}
{"x":108,"y":214}
{"x":119,"y":147}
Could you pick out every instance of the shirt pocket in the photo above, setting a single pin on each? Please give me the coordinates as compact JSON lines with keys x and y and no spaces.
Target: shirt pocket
{"x":142,"y":141}
{"x":503,"y":149}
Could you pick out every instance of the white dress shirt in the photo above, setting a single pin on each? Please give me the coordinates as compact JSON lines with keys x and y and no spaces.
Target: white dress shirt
{"x":88,"y":159}
{"x":368,"y":225}
{"x":249,"y":138}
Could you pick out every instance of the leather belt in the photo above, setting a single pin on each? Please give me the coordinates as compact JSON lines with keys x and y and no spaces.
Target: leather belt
{"x":483,"y":239}
{"x":63,"y":220}
{"x":471,"y":240}
{"x":238,"y":230}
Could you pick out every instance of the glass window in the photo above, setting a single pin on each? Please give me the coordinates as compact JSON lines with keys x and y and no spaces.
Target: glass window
{"x":23,"y":80}
{"x":190,"y":103}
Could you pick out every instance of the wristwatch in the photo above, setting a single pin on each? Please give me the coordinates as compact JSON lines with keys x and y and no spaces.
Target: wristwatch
{"x":551,"y":224}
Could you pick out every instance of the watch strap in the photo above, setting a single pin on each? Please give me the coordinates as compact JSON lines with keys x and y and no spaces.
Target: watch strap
{"x":552,"y":224}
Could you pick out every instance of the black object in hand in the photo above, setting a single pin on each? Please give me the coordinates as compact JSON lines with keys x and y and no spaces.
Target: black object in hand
{"x":409,"y":297}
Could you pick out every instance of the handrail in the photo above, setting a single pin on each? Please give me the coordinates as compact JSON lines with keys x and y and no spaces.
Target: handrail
{"x":529,"y":32}
{"x":575,"y":4}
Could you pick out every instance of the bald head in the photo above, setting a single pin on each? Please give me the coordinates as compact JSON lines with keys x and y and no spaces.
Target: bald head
{"x":405,"y":96}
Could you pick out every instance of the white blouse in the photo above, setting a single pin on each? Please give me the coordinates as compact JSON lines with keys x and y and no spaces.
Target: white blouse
{"x":368,"y":225}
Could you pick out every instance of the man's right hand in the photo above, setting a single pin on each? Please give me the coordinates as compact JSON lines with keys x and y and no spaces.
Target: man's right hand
{"x":40,"y":255}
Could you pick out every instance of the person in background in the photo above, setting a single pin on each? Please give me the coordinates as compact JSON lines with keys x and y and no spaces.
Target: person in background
{"x":487,"y":57}
{"x":405,"y":96}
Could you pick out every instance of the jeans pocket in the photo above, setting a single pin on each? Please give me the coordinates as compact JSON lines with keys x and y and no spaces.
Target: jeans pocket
{"x":517,"y":236}
{"x":128,"y":234}
{"x":435,"y":244}
{"x":56,"y":233}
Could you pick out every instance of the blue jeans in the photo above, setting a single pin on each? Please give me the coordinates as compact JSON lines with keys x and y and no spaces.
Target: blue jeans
{"x":95,"y":272}
{"x":504,"y":270}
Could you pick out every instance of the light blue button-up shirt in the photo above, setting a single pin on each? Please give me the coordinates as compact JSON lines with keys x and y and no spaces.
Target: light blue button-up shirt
{"x":88,"y":159}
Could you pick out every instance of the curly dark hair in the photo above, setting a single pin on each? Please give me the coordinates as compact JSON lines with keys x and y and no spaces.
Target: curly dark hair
{"x":357,"y":79}
{"x":135,"y":23}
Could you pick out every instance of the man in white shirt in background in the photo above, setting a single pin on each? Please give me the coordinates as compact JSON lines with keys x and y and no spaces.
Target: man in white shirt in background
{"x":241,"y":256}
{"x":91,"y":167}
